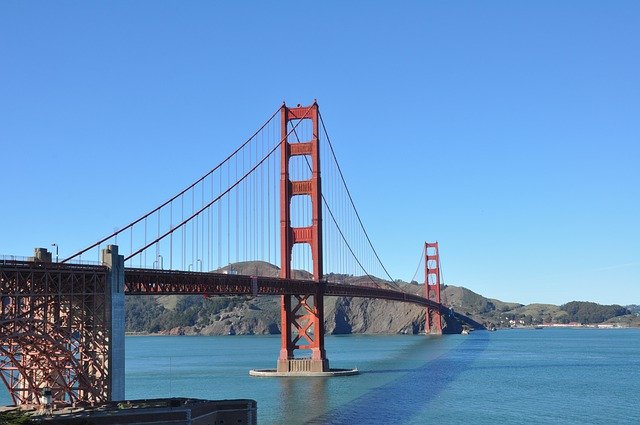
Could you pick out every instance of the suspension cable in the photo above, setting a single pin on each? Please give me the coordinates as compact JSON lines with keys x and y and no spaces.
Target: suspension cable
{"x":419,"y":262}
{"x":221,"y":194}
{"x":176,"y":196}
{"x":336,"y":222}
{"x":440,"y":268}
{"x":351,"y":198}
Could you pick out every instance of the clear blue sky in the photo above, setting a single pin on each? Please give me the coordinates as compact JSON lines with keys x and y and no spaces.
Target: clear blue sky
{"x":508,"y":131}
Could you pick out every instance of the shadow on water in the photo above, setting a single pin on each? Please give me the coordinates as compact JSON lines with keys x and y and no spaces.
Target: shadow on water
{"x":384,"y":371}
{"x":411,"y":392}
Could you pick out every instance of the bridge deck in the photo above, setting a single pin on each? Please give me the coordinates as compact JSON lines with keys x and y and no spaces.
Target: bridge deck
{"x":145,"y":281}
{"x":140,"y":281}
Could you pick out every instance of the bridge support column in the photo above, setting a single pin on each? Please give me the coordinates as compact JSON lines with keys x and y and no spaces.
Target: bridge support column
{"x":302,"y":315}
{"x":433,"y":318}
{"x":115,"y":319}
{"x":56,"y":334}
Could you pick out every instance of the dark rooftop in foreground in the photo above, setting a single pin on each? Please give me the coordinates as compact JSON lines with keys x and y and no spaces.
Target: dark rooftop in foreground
{"x":176,"y":411}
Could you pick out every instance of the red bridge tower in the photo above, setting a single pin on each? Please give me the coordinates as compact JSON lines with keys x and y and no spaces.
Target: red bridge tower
{"x":302,"y":315}
{"x":433,"y":322}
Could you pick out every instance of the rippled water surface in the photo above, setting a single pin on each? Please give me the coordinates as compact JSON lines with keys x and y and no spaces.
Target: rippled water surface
{"x":560,"y":376}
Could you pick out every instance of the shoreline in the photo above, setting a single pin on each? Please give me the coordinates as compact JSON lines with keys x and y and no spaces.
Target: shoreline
{"x":537,"y":327}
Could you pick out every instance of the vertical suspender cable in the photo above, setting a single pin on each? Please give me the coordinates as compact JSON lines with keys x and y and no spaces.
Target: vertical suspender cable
{"x":220,"y":223}
{"x":228,"y":196}
{"x":193,"y":209}
{"x":261,"y":207}
{"x":268,"y":228}
{"x":145,"y":241}
{"x":235,"y":195}
{"x":244,"y":211}
{"x":171,"y":236}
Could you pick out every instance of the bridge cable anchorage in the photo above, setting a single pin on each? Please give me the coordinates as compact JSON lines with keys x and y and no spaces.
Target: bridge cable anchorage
{"x":221,"y":195}
{"x":335,"y":159}
{"x":130,"y":225}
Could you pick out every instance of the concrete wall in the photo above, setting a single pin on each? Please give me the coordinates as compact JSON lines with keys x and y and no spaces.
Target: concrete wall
{"x":115,"y":316}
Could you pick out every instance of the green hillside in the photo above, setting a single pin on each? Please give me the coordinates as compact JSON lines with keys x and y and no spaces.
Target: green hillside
{"x":194,"y":314}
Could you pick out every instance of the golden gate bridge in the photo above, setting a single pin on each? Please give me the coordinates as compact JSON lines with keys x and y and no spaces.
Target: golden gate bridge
{"x":271,"y":200}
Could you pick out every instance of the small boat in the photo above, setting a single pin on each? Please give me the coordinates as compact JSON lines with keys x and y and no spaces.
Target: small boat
{"x":465,"y":332}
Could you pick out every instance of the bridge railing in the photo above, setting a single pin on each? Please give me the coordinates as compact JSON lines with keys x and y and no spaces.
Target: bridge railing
{"x":12,"y":258}
{"x":8,"y":258}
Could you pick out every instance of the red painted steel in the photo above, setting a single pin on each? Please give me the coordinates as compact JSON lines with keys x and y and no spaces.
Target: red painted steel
{"x":55,"y":324}
{"x":302,"y":315}
{"x":433,"y":321}
{"x":175,"y":282}
{"x":54,"y":332}
{"x":54,"y":328}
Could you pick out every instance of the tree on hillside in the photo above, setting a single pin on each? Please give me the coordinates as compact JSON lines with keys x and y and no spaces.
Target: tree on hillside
{"x":588,"y":312}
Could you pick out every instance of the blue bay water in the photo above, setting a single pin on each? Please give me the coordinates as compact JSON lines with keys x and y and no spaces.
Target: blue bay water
{"x":559,"y":376}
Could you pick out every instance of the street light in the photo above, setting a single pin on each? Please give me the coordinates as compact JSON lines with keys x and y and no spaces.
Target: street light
{"x":56,"y":245}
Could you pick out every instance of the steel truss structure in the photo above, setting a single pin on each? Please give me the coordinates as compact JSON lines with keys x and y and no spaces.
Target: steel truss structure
{"x":175,"y":282}
{"x":54,"y":332}
{"x":54,"y":324}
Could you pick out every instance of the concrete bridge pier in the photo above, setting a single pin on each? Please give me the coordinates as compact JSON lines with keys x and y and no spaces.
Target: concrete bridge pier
{"x":115,"y":318}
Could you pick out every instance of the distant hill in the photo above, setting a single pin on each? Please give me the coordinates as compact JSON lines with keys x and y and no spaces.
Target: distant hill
{"x":191,"y":314}
{"x":492,"y":312}
{"x":634,"y":309}
{"x":588,"y":312}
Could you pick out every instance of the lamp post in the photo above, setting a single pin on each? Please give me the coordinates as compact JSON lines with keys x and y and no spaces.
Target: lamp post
{"x":56,"y":245}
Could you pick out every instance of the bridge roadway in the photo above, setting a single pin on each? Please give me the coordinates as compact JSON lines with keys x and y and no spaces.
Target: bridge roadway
{"x":141,"y":281}
{"x":173,"y":282}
